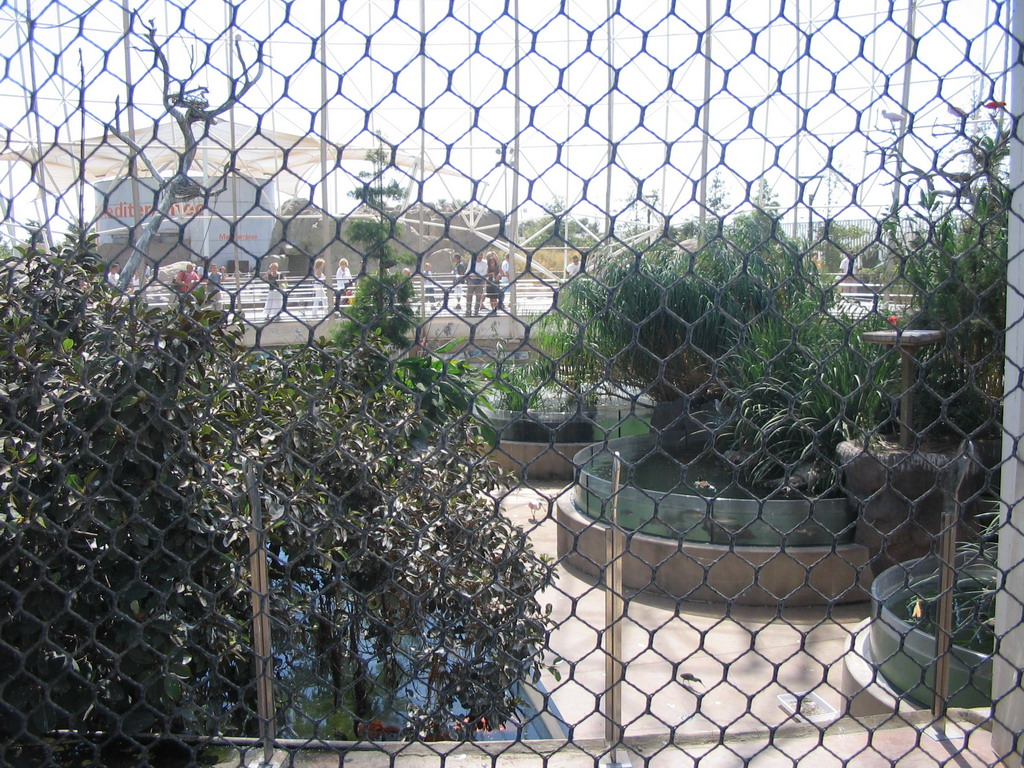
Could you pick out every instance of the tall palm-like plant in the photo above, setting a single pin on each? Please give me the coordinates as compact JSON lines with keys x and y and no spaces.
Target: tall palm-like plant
{"x":382,"y":304}
{"x":955,"y":270}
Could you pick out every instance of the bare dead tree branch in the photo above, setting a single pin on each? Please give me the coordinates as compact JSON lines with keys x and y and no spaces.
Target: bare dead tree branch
{"x":115,"y":128}
{"x":190,"y":109}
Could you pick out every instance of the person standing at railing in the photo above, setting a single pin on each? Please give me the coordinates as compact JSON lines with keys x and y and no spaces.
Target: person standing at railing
{"x":319,"y":288}
{"x":573,"y":267}
{"x":186,"y":279}
{"x":275,"y":295}
{"x":428,"y":283}
{"x":493,"y":280}
{"x":458,"y":277}
{"x":846,"y":277}
{"x":476,"y":276}
{"x":214,"y":289}
{"x":342,"y":283}
{"x":506,"y":278}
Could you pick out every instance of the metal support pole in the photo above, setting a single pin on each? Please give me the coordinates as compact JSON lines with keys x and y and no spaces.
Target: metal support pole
{"x":705,"y":125}
{"x":614,"y":610}
{"x":952,"y":488}
{"x":907,"y":398}
{"x":261,"y":622}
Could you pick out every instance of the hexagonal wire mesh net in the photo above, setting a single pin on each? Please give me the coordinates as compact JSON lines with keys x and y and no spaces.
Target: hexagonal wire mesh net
{"x":569,"y":383}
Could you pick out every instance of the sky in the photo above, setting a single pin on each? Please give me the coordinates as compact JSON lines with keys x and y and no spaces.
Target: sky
{"x":604,"y":106}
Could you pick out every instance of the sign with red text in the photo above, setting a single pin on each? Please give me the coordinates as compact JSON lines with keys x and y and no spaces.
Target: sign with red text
{"x":202,"y":224}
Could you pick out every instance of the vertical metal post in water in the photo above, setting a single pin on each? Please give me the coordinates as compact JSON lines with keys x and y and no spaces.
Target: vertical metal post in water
{"x":947,"y":575}
{"x":261,"y":621}
{"x":615,"y":547}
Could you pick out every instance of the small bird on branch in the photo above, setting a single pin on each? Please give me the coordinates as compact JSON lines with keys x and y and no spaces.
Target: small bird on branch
{"x":895,"y":117}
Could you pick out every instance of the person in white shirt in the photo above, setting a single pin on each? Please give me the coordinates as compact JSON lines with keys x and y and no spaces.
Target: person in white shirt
{"x":573,"y":268}
{"x":506,"y":277}
{"x":319,"y":288}
{"x":342,"y":281}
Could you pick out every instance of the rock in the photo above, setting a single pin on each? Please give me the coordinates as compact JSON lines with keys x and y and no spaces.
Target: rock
{"x":686,"y":414}
{"x":898,"y":499}
{"x":300,"y":229}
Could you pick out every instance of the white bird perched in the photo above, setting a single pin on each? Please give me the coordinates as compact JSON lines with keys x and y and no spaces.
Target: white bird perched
{"x":535,"y":507}
{"x":896,"y":117}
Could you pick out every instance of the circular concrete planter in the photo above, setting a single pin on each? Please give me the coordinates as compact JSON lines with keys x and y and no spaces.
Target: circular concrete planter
{"x":540,"y":445}
{"x":714,"y":518}
{"x":717,"y":573}
{"x":898,"y":499}
{"x":905,"y":656}
{"x":712,"y":548}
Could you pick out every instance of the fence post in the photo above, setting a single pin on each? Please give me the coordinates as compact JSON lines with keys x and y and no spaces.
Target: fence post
{"x":953,"y":486}
{"x":614,"y":605}
{"x":260,"y":599}
{"x":1007,"y":692}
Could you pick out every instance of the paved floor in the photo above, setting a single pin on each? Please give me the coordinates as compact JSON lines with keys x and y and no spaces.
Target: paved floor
{"x":745,"y":658}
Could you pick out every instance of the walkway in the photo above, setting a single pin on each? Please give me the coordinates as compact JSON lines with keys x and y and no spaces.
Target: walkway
{"x":533,"y":297}
{"x":745,"y":657}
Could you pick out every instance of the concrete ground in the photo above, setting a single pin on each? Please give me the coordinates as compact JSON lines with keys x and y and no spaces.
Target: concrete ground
{"x":745,"y":659}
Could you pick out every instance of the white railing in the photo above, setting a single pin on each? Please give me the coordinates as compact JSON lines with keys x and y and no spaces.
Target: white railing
{"x":856,"y":299}
{"x":247,"y":294}
{"x":441,"y":295}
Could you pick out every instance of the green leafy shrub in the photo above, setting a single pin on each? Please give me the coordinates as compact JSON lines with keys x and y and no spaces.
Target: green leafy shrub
{"x":382,"y":305}
{"x":660,"y":321}
{"x":391,"y":548}
{"x":799,"y":387}
{"x":744,"y":320}
{"x":127,"y":436}
{"x":120,"y":605}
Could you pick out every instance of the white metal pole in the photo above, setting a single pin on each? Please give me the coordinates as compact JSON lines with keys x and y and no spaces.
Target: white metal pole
{"x":614,"y":613}
{"x":897,"y":187}
{"x":513,"y":222}
{"x":230,"y":173}
{"x":33,"y":109}
{"x":705,"y":123}
{"x":1007,"y":692}
{"x":133,"y":161}
{"x":325,"y":193}
{"x":611,"y":131}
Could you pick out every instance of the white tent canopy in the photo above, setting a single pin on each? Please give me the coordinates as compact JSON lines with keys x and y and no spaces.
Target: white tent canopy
{"x":252,"y":151}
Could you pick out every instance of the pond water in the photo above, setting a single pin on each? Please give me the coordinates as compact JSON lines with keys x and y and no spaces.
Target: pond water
{"x":676,"y":468}
{"x":307,"y":708}
{"x":902,"y":632}
{"x":674,"y":487}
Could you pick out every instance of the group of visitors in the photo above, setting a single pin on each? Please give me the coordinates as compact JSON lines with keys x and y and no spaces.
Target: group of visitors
{"x":484,"y":278}
{"x":343,"y":286}
{"x":184,"y":281}
{"x":483,"y":282}
{"x":188,"y":278}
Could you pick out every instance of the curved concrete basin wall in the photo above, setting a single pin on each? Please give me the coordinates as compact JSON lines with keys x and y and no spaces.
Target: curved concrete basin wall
{"x":716,"y":572}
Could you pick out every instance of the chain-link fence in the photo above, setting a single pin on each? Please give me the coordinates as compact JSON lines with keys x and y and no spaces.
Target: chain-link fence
{"x":515,"y":383}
